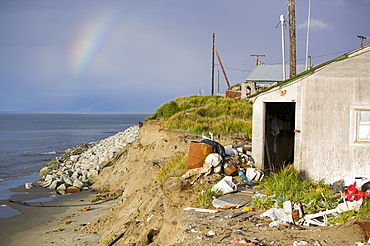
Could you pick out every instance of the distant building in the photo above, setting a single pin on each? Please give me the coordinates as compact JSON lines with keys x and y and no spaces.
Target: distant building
{"x":319,"y":120}
{"x":262,"y":77}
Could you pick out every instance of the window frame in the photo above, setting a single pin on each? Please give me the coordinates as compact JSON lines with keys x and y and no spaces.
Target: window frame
{"x":360,"y":123}
{"x":355,"y":125}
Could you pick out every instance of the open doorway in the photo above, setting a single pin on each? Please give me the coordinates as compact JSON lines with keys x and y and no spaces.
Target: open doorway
{"x":279,"y":135}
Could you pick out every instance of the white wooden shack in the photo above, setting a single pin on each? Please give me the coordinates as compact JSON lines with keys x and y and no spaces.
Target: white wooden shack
{"x":319,"y":120}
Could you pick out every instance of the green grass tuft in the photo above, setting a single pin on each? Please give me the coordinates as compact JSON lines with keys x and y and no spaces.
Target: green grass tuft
{"x":288,"y":184}
{"x":205,"y":196}
{"x":175,"y":167}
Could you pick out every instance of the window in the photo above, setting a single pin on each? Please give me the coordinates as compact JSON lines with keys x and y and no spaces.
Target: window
{"x":363,"y":125}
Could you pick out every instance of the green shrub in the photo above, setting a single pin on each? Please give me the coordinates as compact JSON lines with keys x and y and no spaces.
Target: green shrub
{"x":203,"y":114}
{"x":165,"y":111}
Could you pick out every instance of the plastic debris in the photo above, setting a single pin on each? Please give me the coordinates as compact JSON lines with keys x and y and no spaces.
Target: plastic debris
{"x":214,"y":159}
{"x":202,"y":210}
{"x":277,"y":214}
{"x":244,"y":178}
{"x":254,"y":174}
{"x":300,"y":243}
{"x":312,"y":219}
{"x":221,"y":204}
{"x":247,"y":208}
{"x":225,"y":185}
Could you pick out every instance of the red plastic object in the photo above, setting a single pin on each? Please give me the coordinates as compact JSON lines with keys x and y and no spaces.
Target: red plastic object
{"x":352,"y":192}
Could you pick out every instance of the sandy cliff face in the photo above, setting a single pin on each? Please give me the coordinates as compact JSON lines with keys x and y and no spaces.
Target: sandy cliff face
{"x":146,"y":211}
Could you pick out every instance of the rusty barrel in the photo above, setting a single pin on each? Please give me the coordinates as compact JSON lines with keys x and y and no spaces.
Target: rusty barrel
{"x":197,"y":154}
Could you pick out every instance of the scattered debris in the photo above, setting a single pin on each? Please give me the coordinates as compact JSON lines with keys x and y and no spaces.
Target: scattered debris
{"x":293,"y":213}
{"x":54,"y":230}
{"x":221,"y":204}
{"x":202,"y":210}
{"x":312,"y":219}
{"x":208,"y":156}
{"x":226,"y":185}
{"x":86,"y":208}
{"x":300,"y":243}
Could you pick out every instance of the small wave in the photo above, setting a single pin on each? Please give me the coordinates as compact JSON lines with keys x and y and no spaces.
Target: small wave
{"x":44,"y":153}
{"x":49,"y":153}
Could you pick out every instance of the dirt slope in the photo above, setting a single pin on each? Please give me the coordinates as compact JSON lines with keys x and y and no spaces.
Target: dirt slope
{"x":148,"y":212}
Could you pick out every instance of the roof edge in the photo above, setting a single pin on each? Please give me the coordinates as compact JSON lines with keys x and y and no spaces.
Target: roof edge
{"x":302,"y":75}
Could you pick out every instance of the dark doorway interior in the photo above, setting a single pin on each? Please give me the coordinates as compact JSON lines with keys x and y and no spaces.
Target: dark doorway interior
{"x":279,"y":135}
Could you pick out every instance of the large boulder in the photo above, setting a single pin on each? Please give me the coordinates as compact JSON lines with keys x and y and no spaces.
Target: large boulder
{"x":78,"y":183}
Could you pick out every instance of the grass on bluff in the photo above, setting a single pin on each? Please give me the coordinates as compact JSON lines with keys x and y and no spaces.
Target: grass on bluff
{"x":203,"y":114}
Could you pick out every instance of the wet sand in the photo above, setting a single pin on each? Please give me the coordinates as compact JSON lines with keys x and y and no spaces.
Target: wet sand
{"x":50,"y":222}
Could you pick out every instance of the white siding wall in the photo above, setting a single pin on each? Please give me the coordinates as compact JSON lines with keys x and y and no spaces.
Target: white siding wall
{"x":328,"y":150}
{"x":326,"y":104}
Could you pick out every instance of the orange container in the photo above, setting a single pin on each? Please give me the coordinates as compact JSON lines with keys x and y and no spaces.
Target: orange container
{"x":197,"y":154}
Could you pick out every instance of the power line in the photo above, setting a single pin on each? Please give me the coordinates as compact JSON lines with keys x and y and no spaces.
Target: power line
{"x":236,"y":69}
{"x":335,"y":53}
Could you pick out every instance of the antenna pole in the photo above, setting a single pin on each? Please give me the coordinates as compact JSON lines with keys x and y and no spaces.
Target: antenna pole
{"x":213,"y":64}
{"x":283,"y":44}
{"x":308,"y":64}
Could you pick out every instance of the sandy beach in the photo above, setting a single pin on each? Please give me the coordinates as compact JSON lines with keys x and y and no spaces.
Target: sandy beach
{"x":55,"y":222}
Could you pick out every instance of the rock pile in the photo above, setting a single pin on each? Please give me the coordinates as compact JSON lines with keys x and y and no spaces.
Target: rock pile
{"x":76,"y":168}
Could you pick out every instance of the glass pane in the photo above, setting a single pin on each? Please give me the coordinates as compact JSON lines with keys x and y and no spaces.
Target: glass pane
{"x":364,"y":132}
{"x":364,"y":116}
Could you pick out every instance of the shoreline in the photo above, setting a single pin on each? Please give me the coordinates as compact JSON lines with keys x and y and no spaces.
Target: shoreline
{"x":41,"y":216}
{"x":51,"y":222}
{"x":44,"y":217}
{"x":73,"y":169}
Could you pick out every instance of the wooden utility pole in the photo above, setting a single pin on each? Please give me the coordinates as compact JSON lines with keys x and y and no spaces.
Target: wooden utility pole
{"x":292,"y":38}
{"x":222,"y":67}
{"x":258,"y":56}
{"x":213,"y":64}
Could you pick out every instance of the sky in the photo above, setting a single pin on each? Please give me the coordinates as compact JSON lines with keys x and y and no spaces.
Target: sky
{"x":134,"y":56}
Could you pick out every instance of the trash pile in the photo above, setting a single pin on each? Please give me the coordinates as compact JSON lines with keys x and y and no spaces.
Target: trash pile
{"x":208,"y":156}
{"x":293,"y":213}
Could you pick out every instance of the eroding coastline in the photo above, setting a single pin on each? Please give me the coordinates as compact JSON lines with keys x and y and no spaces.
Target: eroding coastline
{"x":78,"y":166}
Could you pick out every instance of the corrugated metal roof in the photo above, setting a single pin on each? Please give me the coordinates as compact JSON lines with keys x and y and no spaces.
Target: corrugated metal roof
{"x":271,"y":73}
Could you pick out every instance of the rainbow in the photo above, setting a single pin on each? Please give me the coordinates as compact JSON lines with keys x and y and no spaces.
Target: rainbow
{"x":89,"y":41}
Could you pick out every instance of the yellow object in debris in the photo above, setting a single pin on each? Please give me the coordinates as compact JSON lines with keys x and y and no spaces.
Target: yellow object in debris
{"x":319,"y":189}
{"x":247,"y":208}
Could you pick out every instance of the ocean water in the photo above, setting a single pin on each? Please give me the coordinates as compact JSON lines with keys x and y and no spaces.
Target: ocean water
{"x":29,"y":141}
